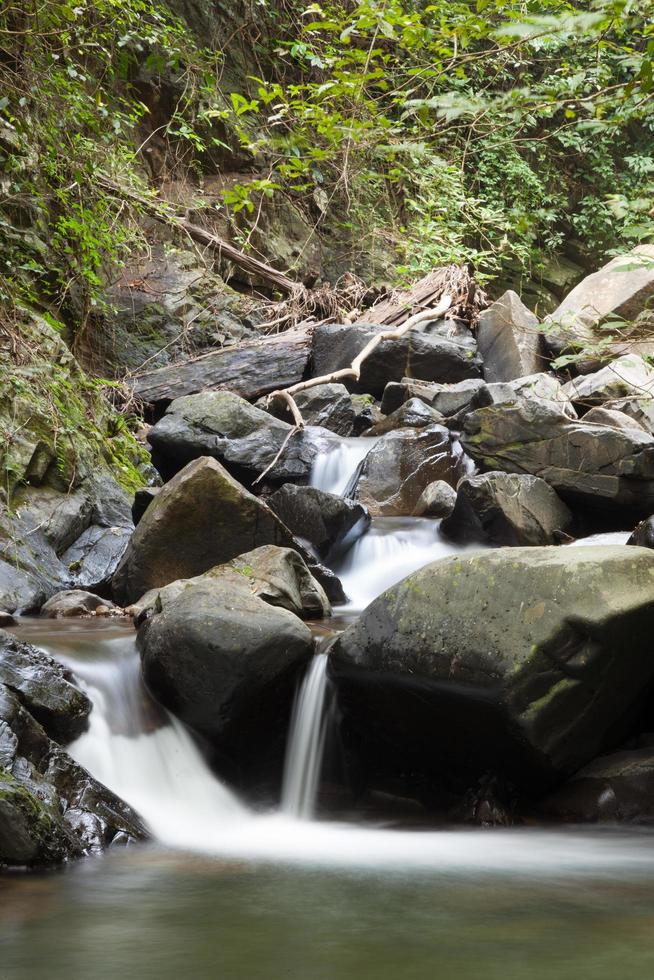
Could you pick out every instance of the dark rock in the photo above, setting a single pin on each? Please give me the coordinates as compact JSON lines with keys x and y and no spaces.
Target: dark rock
{"x":417,"y":354}
{"x":46,"y":689}
{"x":436,"y":500}
{"x":248,"y":369}
{"x":643,"y":534}
{"x":506,"y":509}
{"x":412,"y":414}
{"x":614,"y":788}
{"x":330,"y":582}
{"x":522,"y":662}
{"x":328,"y":405}
{"x":142,"y":500}
{"x":74,"y":602}
{"x":446,"y":399}
{"x":243,"y":438}
{"x":602,"y":466}
{"x":51,"y":809}
{"x":200,"y":519}
{"x":95,"y":556}
{"x":323,"y":519}
{"x":366,"y":414}
{"x":509,"y":339}
{"x":402,"y":463}
{"x":6,"y":619}
{"x":279,"y":576}
{"x":227,"y":669}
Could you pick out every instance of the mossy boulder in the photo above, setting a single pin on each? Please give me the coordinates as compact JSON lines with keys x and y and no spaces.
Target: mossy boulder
{"x":523,"y":662}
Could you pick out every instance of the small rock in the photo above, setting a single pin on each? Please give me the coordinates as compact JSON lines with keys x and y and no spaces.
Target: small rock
{"x":329,"y":522}
{"x":643,"y":534}
{"x":436,"y":500}
{"x":74,"y":602}
{"x":413,"y":414}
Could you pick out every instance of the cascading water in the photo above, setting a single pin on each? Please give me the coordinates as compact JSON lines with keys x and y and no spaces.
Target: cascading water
{"x":306,"y":741}
{"x":333,"y":470}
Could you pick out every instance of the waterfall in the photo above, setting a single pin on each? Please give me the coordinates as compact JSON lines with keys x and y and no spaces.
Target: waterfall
{"x":306,"y":741}
{"x":334,"y":470}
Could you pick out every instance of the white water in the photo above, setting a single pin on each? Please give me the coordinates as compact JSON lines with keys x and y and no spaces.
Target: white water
{"x":334,"y":470}
{"x":306,"y":742}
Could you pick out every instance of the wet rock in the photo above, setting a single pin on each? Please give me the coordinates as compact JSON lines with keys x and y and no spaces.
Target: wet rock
{"x":226,"y":668}
{"x":46,"y":689}
{"x":74,"y":602}
{"x":448,"y":399}
{"x":619,"y":290}
{"x":627,"y":377}
{"x":330,"y":582}
{"x":202,"y":518}
{"x":366,"y":414}
{"x":142,"y":500}
{"x":643,"y":534}
{"x":413,"y":414}
{"x":616,"y":788}
{"x":325,"y":520}
{"x":525,"y":662}
{"x":417,"y":354}
{"x":51,"y":809}
{"x":329,"y":406}
{"x":507,"y":509}
{"x":279,"y":576}
{"x":509,"y":340}
{"x":248,"y":369}
{"x":402,"y":463}
{"x":92,"y":560}
{"x":603,"y":466}
{"x":436,"y":500}
{"x":243,"y":438}
{"x":6,"y":619}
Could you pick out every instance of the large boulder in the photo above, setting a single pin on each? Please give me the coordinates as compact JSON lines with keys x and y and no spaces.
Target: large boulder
{"x":626,"y":377}
{"x":615,"y":420}
{"x":509,"y":339}
{"x":226,"y":663}
{"x":602,"y":466}
{"x":200,"y":519}
{"x":523,"y":662}
{"x":329,"y":522}
{"x":245,"y":439}
{"x":506,"y":509}
{"x":402,"y":463}
{"x":416,"y":354}
{"x":279,"y":576}
{"x":75,"y":603}
{"x":413,"y":414}
{"x":621,"y":290}
{"x":614,"y":788}
{"x":51,"y":809}
{"x":447,"y":399}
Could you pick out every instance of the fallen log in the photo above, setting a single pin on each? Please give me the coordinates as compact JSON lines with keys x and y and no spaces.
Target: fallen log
{"x":248,"y":369}
{"x":467,"y":298}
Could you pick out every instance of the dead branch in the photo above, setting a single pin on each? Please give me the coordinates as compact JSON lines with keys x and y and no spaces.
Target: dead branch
{"x":354,"y":371}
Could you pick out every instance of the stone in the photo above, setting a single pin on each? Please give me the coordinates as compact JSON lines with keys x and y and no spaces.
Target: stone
{"x":243,"y":438}
{"x":94,"y":557}
{"x":541,"y":388}
{"x":643,"y":534}
{"x":142,"y":500}
{"x":75,"y":602}
{"x":47,"y":690}
{"x":6,"y":619}
{"x":367,"y":413}
{"x":601,"y":466}
{"x":402,"y":463}
{"x":641,"y":410}
{"x":522,"y":662}
{"x":328,"y":522}
{"x":436,"y":500}
{"x":507,"y":509}
{"x":628,"y":376}
{"x":329,"y":406}
{"x":509,"y":340}
{"x":413,"y":414}
{"x":248,"y":369}
{"x":620,"y":290}
{"x":202,"y":518}
{"x":417,"y":354}
{"x":51,"y":809}
{"x":279,"y":576}
{"x":228,"y":669}
{"x":616,"y":788}
{"x":600,"y":415}
{"x":447,"y":399}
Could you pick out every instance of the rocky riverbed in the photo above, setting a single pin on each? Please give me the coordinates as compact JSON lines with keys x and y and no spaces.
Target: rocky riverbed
{"x":511,"y":680}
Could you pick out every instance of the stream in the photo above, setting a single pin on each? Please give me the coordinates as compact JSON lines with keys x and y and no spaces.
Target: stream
{"x":226,"y":891}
